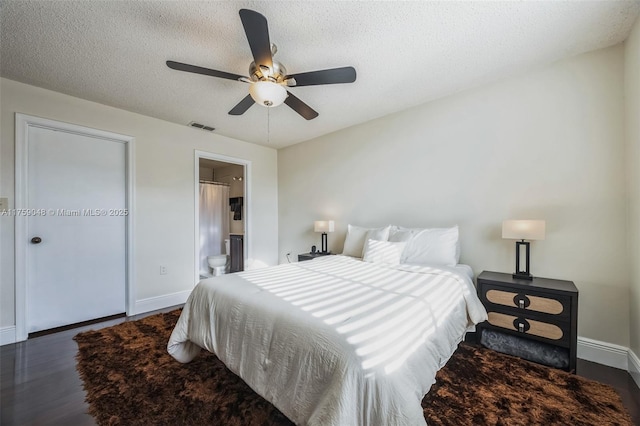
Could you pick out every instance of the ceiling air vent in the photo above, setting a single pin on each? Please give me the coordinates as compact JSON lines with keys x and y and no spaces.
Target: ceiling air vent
{"x":201,"y":126}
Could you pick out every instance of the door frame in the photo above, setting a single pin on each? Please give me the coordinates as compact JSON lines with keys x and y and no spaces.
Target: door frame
{"x":196,"y":199}
{"x":23,"y":123}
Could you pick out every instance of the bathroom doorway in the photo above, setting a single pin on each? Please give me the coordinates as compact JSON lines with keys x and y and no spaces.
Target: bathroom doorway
{"x":221,"y":214}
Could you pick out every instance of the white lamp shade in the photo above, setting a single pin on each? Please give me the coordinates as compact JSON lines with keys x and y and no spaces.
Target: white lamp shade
{"x":323,"y":226}
{"x":267,"y":93}
{"x":523,"y":229}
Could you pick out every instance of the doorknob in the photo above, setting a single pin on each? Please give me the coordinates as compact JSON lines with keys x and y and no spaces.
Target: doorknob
{"x":36,"y":240}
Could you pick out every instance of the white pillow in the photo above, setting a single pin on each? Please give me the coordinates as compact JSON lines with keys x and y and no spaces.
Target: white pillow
{"x":398,"y":233}
{"x":433,"y":246}
{"x":357,"y":235}
{"x":385,"y":252}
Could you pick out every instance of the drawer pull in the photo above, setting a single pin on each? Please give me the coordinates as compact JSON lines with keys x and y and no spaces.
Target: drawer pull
{"x":521,"y":301}
{"x":521,"y":325}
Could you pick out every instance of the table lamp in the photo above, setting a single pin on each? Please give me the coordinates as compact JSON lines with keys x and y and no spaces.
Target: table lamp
{"x":323,"y":226}
{"x":523,"y":230}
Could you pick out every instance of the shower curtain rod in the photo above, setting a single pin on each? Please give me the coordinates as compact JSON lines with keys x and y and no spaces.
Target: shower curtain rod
{"x":214,"y":183}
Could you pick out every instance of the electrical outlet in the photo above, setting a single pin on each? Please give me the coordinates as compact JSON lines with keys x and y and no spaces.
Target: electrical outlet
{"x":163,"y":270}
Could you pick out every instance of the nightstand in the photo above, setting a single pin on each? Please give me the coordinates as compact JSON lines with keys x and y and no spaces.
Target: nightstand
{"x":310,"y":256}
{"x":536,"y":320}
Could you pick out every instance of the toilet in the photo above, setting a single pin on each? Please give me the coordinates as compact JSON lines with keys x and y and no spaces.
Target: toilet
{"x":219,"y":263}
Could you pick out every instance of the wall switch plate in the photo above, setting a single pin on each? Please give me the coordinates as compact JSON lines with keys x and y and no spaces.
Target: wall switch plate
{"x":163,"y":270}
{"x":4,"y":203}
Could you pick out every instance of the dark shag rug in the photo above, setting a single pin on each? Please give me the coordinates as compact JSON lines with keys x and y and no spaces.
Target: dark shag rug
{"x":130,"y":379}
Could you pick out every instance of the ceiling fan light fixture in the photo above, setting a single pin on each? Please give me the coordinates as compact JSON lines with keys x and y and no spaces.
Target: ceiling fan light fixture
{"x":268,"y":93}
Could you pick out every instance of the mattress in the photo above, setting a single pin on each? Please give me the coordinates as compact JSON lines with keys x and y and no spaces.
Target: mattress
{"x":333,"y":341}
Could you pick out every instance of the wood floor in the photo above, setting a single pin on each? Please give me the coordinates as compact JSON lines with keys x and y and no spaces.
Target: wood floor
{"x":40,"y":385}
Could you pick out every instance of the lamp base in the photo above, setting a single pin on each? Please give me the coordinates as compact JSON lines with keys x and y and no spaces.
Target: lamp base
{"x":522,"y":276}
{"x":324,"y":243}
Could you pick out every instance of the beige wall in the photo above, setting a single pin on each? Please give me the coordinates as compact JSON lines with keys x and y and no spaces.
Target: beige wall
{"x":206,"y":173}
{"x":164,"y":188}
{"x":632,"y":96}
{"x":546,"y":145}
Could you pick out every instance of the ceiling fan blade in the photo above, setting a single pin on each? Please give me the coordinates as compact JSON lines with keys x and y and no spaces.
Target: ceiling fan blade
{"x":204,"y":71}
{"x":257,"y":31}
{"x":300,"y":107}
{"x":243,"y":106}
{"x":331,"y":76}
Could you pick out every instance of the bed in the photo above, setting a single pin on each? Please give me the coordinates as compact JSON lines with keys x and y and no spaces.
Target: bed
{"x":335,"y":340}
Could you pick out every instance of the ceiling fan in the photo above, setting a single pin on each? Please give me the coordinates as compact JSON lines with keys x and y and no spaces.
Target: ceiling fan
{"x":269,"y":78}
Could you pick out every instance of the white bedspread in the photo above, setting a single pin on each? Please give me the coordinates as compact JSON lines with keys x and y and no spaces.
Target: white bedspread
{"x":333,"y":341}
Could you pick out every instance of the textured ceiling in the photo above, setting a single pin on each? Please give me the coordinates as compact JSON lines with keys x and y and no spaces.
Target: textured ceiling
{"x":405,"y":53}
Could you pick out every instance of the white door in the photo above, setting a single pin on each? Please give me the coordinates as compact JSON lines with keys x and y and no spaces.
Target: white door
{"x":76,"y":195}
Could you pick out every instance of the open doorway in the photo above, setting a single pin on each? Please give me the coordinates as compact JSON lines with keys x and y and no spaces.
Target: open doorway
{"x":221,"y":214}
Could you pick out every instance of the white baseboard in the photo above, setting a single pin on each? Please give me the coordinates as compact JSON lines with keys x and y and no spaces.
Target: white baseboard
{"x":634,"y":367}
{"x":603,"y":353}
{"x":7,"y":335}
{"x":160,"y":302}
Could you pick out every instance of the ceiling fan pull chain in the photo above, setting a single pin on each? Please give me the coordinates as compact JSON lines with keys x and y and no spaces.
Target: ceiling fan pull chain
{"x":268,"y":126}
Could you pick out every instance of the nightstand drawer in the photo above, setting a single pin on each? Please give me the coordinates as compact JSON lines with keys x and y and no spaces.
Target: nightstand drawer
{"x":557,"y":334}
{"x":527,"y":301}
